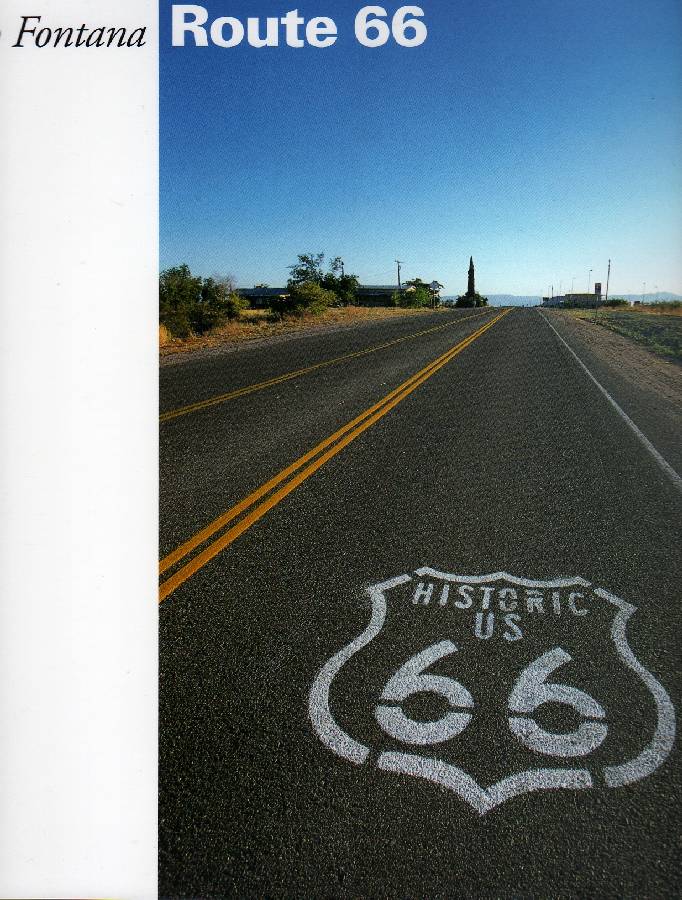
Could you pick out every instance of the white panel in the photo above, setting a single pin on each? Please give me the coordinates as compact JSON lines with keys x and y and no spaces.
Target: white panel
{"x":78,"y":459}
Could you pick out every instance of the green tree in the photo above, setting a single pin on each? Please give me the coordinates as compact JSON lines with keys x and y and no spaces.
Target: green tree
{"x":417,"y":294}
{"x":471,"y":282}
{"x":344,"y":286}
{"x":179,"y":292}
{"x":472,"y":297}
{"x":308,"y":268}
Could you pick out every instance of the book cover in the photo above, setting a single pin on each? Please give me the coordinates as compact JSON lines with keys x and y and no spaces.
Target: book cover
{"x":401,"y":288}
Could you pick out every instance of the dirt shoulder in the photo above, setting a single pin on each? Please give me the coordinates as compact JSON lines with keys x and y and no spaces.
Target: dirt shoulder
{"x":660,"y":331}
{"x":633,"y":362}
{"x":254,"y":329}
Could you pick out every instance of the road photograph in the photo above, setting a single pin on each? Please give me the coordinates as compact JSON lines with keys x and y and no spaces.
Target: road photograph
{"x":420,"y":456}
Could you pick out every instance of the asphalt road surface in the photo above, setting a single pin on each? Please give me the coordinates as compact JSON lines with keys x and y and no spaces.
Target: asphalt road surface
{"x":421,"y":620}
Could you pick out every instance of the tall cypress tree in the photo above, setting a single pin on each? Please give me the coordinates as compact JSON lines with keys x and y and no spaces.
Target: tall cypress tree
{"x":471,"y":298}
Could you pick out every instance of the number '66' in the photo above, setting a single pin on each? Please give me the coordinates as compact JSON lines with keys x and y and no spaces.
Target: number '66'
{"x":407,"y":30}
{"x":529,"y":692}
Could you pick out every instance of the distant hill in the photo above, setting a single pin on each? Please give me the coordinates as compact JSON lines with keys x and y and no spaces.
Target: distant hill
{"x":517,"y":300}
{"x":505,"y":300}
{"x":513,"y":300}
{"x":660,"y":297}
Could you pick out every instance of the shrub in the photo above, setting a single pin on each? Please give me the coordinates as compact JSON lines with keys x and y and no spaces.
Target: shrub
{"x":203,"y":318}
{"x":189,"y":304}
{"x":220,"y":298}
{"x":177,"y":322}
{"x":469,"y":301}
{"x":233,"y":304}
{"x":308,"y":297}
{"x":665,"y":306}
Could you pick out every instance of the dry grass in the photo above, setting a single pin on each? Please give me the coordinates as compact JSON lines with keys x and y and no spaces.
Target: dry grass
{"x":659,"y":331}
{"x":652,"y":309}
{"x":165,"y":337}
{"x":659,"y":309}
{"x":255,"y":324}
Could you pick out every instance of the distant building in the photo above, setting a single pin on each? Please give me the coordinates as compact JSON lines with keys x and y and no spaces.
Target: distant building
{"x":377,"y":294}
{"x":367,"y":294}
{"x":260,"y":297}
{"x":575,"y":300}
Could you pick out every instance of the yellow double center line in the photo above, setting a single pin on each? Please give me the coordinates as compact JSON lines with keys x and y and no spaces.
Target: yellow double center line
{"x":217,"y":535}
{"x":287,"y":376}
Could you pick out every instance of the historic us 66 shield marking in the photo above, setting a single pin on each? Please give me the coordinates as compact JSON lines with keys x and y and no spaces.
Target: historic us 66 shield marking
{"x":493,"y":686}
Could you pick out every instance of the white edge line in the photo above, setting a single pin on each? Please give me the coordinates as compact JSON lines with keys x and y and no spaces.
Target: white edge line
{"x":644,"y":440}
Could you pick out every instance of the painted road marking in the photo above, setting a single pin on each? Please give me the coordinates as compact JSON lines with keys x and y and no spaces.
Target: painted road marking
{"x":446,"y":711}
{"x":258,"y":503}
{"x":287,"y":376}
{"x":643,"y":439}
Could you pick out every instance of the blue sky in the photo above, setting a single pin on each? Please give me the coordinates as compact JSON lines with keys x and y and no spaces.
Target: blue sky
{"x":542,"y":137}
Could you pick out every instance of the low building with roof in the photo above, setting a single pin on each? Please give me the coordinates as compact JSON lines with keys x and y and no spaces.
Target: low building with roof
{"x":260,"y":297}
{"x":575,"y":300}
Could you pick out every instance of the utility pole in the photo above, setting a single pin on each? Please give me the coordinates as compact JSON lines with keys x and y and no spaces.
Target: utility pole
{"x":399,"y":265}
{"x":343,"y":271}
{"x":606,"y":298}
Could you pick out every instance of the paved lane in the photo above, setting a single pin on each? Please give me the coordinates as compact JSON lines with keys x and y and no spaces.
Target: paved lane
{"x":206,"y":376}
{"x":292,"y":768}
{"x":212,"y":458}
{"x":649,"y":390}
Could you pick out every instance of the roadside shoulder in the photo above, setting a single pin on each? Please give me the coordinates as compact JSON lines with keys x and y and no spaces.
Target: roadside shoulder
{"x":648,"y":388}
{"x":217,"y":345}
